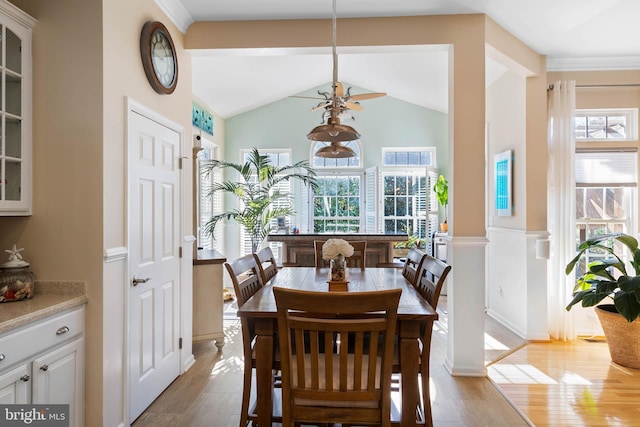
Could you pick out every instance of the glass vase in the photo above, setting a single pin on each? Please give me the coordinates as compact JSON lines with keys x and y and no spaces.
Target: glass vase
{"x":338,"y":269}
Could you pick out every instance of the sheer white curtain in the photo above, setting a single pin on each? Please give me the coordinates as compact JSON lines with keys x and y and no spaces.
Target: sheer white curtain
{"x":561,"y":206}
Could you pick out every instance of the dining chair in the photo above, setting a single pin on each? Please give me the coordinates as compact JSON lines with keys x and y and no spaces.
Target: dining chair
{"x":333,"y":369}
{"x":266,"y":264}
{"x":431,"y":277}
{"x":246,"y":279}
{"x":412,"y":265}
{"x":357,"y":260}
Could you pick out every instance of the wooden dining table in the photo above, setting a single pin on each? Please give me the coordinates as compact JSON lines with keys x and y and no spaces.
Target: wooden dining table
{"x":412,"y":310}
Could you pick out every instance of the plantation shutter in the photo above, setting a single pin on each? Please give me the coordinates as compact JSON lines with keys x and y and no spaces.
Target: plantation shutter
{"x":371,"y":200}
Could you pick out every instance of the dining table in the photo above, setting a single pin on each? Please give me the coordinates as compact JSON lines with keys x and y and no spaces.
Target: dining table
{"x":413,"y":310}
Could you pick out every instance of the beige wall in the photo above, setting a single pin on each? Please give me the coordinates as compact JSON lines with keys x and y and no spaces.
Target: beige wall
{"x":86,"y":61}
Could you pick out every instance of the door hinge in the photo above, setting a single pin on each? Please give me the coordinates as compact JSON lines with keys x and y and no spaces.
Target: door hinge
{"x":180,"y":343}
{"x":180,"y":252}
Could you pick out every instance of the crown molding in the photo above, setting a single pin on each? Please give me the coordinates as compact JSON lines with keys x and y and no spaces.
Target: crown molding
{"x":177,"y":13}
{"x":595,"y":63}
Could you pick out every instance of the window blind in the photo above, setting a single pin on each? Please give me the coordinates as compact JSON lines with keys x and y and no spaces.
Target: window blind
{"x":606,"y":169}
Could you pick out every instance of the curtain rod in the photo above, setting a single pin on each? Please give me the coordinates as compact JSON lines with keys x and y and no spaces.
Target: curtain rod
{"x":600,"y":86}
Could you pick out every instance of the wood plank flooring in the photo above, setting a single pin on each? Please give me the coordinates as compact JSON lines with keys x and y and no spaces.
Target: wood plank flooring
{"x":209,"y":394}
{"x":553,"y":384}
{"x":569,"y":384}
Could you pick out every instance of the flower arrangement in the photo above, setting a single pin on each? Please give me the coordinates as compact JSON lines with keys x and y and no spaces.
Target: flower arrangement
{"x":332,"y":248}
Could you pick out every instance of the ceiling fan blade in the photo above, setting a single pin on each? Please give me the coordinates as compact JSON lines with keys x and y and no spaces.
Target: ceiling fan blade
{"x":367,"y":96}
{"x":306,"y":97}
{"x":325,"y":105}
{"x":353,"y":106}
{"x":339,"y":90}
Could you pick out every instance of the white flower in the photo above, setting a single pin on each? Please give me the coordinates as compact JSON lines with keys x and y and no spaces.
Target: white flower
{"x":334,"y":247}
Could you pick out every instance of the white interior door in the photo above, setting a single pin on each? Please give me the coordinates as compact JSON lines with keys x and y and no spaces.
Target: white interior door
{"x":154,"y":265}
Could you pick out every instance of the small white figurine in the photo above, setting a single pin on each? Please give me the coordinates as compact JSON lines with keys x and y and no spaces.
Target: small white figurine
{"x":15,"y":259}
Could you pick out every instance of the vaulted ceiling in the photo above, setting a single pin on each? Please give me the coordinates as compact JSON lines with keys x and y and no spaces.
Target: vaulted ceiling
{"x":574,"y":34}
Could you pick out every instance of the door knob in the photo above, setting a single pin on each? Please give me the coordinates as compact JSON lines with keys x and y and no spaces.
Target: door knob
{"x":137,"y":280}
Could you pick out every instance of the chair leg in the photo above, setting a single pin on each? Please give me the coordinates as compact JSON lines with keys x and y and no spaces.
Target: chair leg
{"x":246,"y":394}
{"x":424,"y":375}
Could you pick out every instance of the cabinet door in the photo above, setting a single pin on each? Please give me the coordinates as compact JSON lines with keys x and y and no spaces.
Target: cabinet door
{"x":15,"y":386}
{"x":58,"y":379}
{"x":15,"y":111}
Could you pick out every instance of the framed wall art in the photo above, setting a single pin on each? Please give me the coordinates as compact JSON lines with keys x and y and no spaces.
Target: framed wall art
{"x":503,"y":171}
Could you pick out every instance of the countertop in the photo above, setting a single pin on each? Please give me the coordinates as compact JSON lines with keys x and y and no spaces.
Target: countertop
{"x":49,"y":298}
{"x":208,"y":256}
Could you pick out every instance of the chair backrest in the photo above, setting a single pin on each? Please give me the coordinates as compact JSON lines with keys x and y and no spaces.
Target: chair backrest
{"x":412,"y":265}
{"x":336,"y":351}
{"x":245,"y":277}
{"x":431,"y":278}
{"x":266,"y":264}
{"x":356,"y":260}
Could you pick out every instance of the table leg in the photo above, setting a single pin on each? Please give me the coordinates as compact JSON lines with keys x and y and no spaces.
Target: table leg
{"x":409,"y":357}
{"x":264,"y":369}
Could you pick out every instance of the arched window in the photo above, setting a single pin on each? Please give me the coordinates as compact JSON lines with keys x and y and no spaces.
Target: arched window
{"x":337,"y":204}
{"x":347,"y":162}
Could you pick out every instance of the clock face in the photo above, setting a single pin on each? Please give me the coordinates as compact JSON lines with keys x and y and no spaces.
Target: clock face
{"x":162,"y":57}
{"x":159,"y":57}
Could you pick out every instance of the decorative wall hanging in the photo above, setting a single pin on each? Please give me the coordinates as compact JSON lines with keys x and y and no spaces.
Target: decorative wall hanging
{"x":201,"y":118}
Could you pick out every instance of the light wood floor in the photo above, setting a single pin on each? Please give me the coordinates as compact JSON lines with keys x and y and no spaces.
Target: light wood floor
{"x":552,"y":384}
{"x":209,"y":393}
{"x":569,"y":384}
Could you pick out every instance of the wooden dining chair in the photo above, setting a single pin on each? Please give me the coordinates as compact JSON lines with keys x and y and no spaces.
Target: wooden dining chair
{"x":412,"y":265}
{"x":357,"y":260}
{"x":266,"y":264}
{"x":246,"y":279}
{"x":333,"y":369}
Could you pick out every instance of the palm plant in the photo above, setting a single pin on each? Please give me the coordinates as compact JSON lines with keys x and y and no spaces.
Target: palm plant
{"x":257,"y":193}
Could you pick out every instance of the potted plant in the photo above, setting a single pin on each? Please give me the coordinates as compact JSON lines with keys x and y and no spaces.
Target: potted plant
{"x":260,"y":202}
{"x":401,"y":249}
{"x":441,"y":188}
{"x":607,"y":277}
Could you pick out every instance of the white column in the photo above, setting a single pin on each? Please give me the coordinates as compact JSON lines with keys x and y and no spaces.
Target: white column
{"x":465,"y":302}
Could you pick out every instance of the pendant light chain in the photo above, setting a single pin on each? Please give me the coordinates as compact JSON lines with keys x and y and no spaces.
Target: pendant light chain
{"x":335,"y":59}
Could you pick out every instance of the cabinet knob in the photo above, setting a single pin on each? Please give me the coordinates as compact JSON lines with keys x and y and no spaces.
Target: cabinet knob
{"x":1,"y":357}
{"x":44,"y":368}
{"x":62,"y":330}
{"x":25,"y":378}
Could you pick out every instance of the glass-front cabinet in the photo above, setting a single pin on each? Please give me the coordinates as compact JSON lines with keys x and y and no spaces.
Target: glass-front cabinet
{"x":15,"y":110}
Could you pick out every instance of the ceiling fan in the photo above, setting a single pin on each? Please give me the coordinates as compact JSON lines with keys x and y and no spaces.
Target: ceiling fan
{"x":338,"y":100}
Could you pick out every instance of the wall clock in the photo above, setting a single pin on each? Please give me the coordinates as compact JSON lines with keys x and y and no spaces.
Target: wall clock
{"x":159,"y":57}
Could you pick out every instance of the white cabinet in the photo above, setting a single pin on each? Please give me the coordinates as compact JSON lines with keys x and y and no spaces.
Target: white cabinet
{"x":44,"y":364}
{"x":15,"y":110}
{"x":14,"y":385}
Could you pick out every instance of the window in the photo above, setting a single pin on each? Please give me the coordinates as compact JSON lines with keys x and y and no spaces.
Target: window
{"x":606,"y":185}
{"x":347,"y":162}
{"x":409,"y":204}
{"x":208,"y":205}
{"x":424,"y":156}
{"x":606,"y":125}
{"x":336,"y":204}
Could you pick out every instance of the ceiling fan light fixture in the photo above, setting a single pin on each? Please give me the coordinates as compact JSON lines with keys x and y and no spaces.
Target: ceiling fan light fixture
{"x":333,"y":131}
{"x":335,"y":151}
